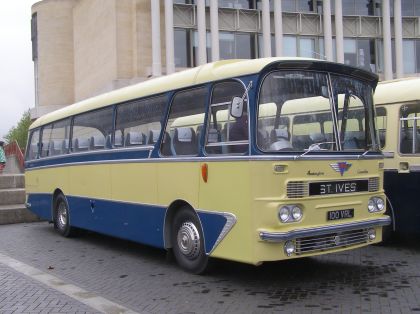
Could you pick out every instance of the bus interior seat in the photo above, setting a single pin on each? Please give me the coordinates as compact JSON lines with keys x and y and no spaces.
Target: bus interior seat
{"x":382,"y":133}
{"x":45,"y":149}
{"x":97,"y":142}
{"x":118,"y":139}
{"x":263,"y":138}
{"x":33,"y":151}
{"x":81,"y":144}
{"x":184,"y":141}
{"x":135,"y":138}
{"x":167,"y":146}
{"x":65,"y":146}
{"x":108,"y":141}
{"x":153,"y":136}
{"x":301,"y":141}
{"x":55,"y":148}
{"x":213,"y":137}
{"x":317,"y":137}
{"x":406,"y":146}
{"x":354,"y":139}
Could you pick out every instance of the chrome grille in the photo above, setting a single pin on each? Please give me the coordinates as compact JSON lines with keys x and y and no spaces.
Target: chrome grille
{"x":373,"y":185}
{"x":297,"y":189}
{"x":331,"y":241}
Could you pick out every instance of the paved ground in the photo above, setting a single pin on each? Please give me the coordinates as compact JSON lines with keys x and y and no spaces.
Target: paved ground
{"x":378,"y":279}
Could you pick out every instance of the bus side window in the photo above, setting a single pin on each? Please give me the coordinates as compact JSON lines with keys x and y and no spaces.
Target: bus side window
{"x":410,"y":129}
{"x":92,"y":129}
{"x":186,"y":117}
{"x":33,"y":146}
{"x":226,"y":134}
{"x":138,"y":122}
{"x":381,"y":125}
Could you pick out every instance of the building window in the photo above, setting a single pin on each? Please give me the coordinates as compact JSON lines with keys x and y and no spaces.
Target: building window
{"x":362,"y":7}
{"x":237,"y":4}
{"x":237,"y":45}
{"x":309,"y":6}
{"x":182,"y":41}
{"x":195,"y":47}
{"x":360,"y":53}
{"x":409,"y":56}
{"x":408,"y":7}
{"x":34,"y":37}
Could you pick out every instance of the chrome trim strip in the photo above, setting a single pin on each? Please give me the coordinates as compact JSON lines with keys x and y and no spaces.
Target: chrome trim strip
{"x":230,"y":222}
{"x":212,"y":158}
{"x":388,"y":154}
{"x":414,"y":168}
{"x":309,"y":232}
{"x":96,"y":152}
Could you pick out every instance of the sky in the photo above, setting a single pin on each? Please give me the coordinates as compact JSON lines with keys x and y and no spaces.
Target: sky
{"x":17,"y":92}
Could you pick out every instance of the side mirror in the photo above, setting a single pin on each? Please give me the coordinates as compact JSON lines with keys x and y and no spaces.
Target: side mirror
{"x":237,"y":107}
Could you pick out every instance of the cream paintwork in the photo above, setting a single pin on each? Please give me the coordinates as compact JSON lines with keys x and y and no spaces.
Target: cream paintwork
{"x":250,"y":190}
{"x":391,"y":95}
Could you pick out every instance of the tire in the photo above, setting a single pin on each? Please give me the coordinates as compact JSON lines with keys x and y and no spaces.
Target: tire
{"x":62,"y":217}
{"x":188,"y":241}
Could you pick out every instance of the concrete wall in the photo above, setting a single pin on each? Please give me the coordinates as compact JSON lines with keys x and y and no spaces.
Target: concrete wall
{"x":55,"y":52}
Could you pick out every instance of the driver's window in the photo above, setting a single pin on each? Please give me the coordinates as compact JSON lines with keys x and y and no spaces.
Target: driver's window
{"x":227,"y":134}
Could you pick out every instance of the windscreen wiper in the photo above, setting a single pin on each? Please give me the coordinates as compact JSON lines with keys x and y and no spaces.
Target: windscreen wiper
{"x":313,"y":147}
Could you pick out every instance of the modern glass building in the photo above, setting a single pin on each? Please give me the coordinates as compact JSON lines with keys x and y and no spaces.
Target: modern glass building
{"x":86,"y":47}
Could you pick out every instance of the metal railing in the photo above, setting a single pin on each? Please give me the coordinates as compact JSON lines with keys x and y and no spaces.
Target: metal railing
{"x":13,"y":149}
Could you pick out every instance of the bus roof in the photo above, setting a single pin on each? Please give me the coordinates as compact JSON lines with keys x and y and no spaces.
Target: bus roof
{"x":397,"y":91}
{"x":206,"y":73}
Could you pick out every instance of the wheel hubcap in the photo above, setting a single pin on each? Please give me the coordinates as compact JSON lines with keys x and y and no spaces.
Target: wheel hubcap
{"x":62,"y":215}
{"x":189,"y":240}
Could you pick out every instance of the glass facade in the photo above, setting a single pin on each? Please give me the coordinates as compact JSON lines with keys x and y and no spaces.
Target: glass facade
{"x":364,"y":52}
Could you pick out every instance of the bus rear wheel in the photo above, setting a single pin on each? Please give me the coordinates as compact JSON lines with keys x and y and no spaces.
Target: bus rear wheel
{"x":188,"y":242}
{"x":62,"y":217}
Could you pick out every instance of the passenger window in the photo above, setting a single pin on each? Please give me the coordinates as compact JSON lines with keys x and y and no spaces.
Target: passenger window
{"x":55,"y":138}
{"x":381,"y":125}
{"x":226,"y":134}
{"x":92,"y":130}
{"x":33,"y":147}
{"x":185,"y":123}
{"x":139,"y":122}
{"x":410,"y":129}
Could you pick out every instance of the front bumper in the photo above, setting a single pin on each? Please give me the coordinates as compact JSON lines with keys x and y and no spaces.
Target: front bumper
{"x":318,"y":231}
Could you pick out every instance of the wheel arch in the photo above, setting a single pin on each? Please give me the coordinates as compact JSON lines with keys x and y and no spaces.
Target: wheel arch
{"x":172,"y":209}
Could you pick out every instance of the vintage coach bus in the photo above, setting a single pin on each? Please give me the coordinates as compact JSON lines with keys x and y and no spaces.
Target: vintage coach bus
{"x":246,"y":160}
{"x":398,"y":119}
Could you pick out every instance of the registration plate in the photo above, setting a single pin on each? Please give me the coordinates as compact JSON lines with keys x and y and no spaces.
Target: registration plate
{"x":338,"y":187}
{"x":340,"y":214}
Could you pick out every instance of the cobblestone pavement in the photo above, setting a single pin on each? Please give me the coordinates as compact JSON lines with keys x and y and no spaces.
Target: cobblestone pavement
{"x":20,"y":294}
{"x":376,"y":279}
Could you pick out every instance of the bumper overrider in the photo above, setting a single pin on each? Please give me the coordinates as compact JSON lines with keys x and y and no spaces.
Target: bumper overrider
{"x":324,"y":230}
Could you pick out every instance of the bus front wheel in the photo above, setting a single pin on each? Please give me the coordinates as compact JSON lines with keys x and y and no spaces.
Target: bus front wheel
{"x":62,"y":217}
{"x":188,"y":241}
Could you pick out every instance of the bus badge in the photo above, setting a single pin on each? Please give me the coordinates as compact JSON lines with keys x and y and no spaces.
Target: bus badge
{"x":341,"y":167}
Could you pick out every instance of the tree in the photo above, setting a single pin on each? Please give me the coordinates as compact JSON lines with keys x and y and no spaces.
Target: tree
{"x":20,"y":131}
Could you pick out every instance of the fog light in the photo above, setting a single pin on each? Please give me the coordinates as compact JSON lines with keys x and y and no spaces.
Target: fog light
{"x":296,"y":213}
{"x":372,"y":205}
{"x":371,"y":234}
{"x":289,"y":248}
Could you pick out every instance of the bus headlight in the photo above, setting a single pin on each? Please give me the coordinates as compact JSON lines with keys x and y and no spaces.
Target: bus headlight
{"x":371,"y":234}
{"x":376,"y":204}
{"x":290,"y":213}
{"x":380,"y":204}
{"x":296,"y":213}
{"x":284,"y":214}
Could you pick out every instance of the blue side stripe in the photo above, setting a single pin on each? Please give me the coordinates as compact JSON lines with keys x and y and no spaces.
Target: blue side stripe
{"x":141,"y":223}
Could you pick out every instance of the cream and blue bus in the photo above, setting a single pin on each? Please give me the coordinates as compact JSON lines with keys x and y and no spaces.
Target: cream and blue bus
{"x":245,"y":160}
{"x":398,"y":122}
